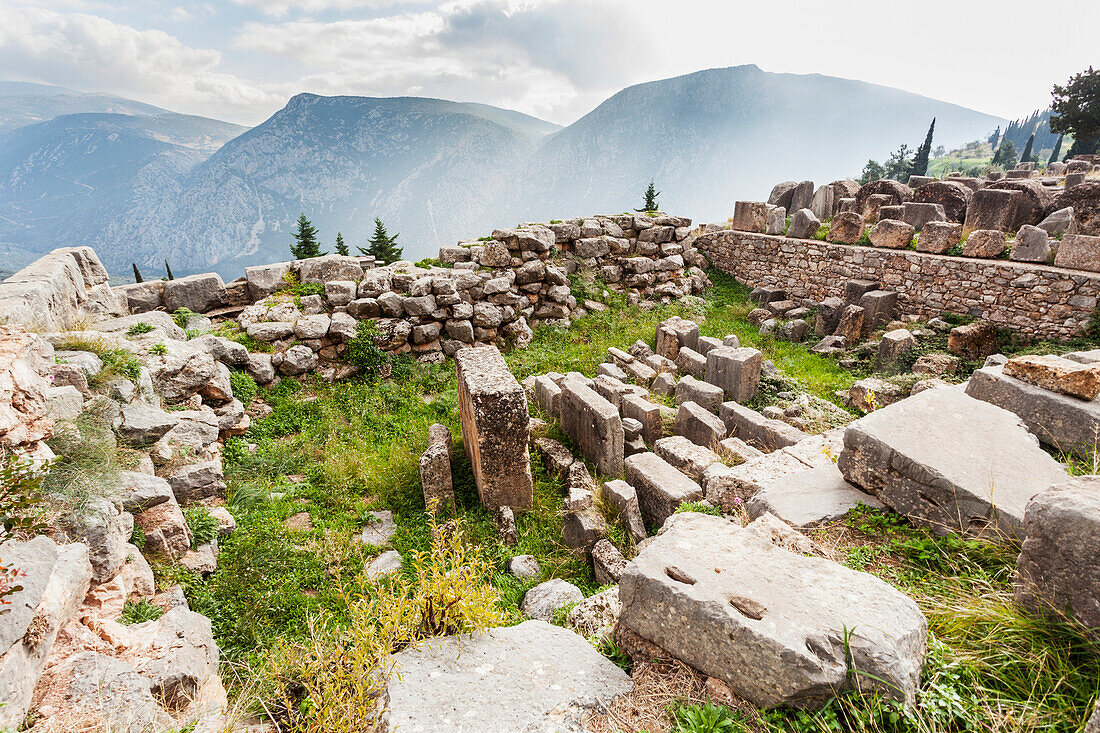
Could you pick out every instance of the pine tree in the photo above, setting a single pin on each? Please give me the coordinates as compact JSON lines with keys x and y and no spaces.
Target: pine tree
{"x":137,"y":274}
{"x":873,"y":171}
{"x":1076,"y":110}
{"x":382,"y":246}
{"x":168,"y":270}
{"x":899,"y":164}
{"x":920,"y":160}
{"x":341,"y":248}
{"x":651,"y":194}
{"x":1026,"y":156}
{"x":1005,"y":155}
{"x":305,"y":240}
{"x":1057,"y":150}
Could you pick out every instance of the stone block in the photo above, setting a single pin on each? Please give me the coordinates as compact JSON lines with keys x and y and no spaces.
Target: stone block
{"x":809,"y":498}
{"x":699,"y":425}
{"x":1058,"y":571}
{"x":1031,"y":245}
{"x":674,"y":333}
{"x":891,"y":234}
{"x":918,"y":215}
{"x":953,"y":196}
{"x":637,"y":407}
{"x":985,"y":244}
{"x":911,"y":456}
{"x":846,"y":227}
{"x":736,"y":371}
{"x":1084,"y":198}
{"x":691,"y":362}
{"x":991,"y":209}
{"x":1062,"y":422}
{"x":939,"y":236}
{"x":435,"y":476}
{"x":661,"y":488}
{"x":1056,"y":374}
{"x":787,"y":635}
{"x":493,"y":414}
{"x":593,"y":424}
{"x":828,"y":316}
{"x":777,"y":221}
{"x":750,"y":216}
{"x":803,"y":224}
{"x":879,"y":308}
{"x":973,"y":340}
{"x":893,"y":345}
{"x":690,"y":458}
{"x":1079,"y":252}
{"x":707,"y":396}
{"x":330,"y":267}
{"x":548,"y":395}
{"x":198,"y":293}
{"x":756,"y":430}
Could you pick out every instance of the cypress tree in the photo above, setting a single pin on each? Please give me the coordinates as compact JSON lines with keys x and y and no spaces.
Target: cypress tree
{"x":168,"y":270}
{"x":1057,"y":150}
{"x":920,"y":160}
{"x":382,"y":246}
{"x":995,"y":138}
{"x":651,"y":194}
{"x":341,"y":248}
{"x":1025,"y":157}
{"x":137,"y":274}
{"x":305,"y":240}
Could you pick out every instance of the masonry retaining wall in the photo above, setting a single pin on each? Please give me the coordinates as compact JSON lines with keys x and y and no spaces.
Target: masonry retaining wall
{"x":1038,"y":300}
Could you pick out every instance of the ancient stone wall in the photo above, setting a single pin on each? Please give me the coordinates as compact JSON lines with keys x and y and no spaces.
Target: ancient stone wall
{"x":1038,"y":300}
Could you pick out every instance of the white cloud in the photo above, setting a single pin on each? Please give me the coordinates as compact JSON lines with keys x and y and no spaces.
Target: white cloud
{"x":279,"y":8}
{"x":95,"y":54}
{"x":181,"y":14}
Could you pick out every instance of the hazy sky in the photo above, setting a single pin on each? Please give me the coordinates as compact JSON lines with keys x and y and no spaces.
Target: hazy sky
{"x":240,"y":60}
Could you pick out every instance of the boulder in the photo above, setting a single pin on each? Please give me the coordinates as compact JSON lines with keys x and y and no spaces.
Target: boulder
{"x":1031,"y":245}
{"x":105,"y":529}
{"x":330,"y":267}
{"x":953,"y":196}
{"x":165,"y":529}
{"x":1059,"y":222}
{"x":144,"y":424}
{"x":387,"y":563}
{"x":176,"y":653}
{"x":891,"y":234}
{"x":593,"y":424}
{"x":1033,"y":202}
{"x":661,"y":488}
{"x":777,"y":221}
{"x":263,"y":280}
{"x":1084,"y":198}
{"x":57,"y":578}
{"x":750,"y":216}
{"x":674,"y":333}
{"x":595,"y":616}
{"x":985,"y":243}
{"x":1079,"y":252}
{"x":803,"y":224}
{"x":198,"y":293}
{"x":298,"y":359}
{"x":846,"y":227}
{"x":500,"y":680}
{"x":973,"y":340}
{"x":524,"y":567}
{"x":787,"y":636}
{"x":910,"y":456}
{"x":493,"y":414}
{"x":143,"y":297}
{"x":542,"y":601}
{"x":1062,"y":422}
{"x":895,"y":192}
{"x":141,"y":491}
{"x":1058,"y":571}
{"x":939,"y":236}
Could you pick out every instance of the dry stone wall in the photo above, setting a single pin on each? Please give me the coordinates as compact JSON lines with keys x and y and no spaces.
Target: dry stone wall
{"x":1039,"y":300}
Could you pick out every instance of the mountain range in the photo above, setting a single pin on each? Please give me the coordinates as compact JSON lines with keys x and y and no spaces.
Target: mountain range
{"x":142,"y":184}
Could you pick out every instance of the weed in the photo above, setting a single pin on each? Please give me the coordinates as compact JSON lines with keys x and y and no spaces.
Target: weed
{"x":182,"y":315}
{"x":139,"y":328}
{"x":704,"y":718}
{"x":158,"y":349}
{"x":698,"y":507}
{"x":203,"y":525}
{"x":137,"y":612}
{"x":243,"y":386}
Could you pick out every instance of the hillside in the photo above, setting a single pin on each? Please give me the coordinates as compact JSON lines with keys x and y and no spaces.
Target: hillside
{"x":22,"y":104}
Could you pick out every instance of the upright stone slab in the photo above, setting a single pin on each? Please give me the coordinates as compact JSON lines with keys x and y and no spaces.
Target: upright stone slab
{"x":735,"y":370}
{"x":991,"y":209}
{"x":949,"y":462}
{"x":1058,"y":571}
{"x":699,"y":425}
{"x":675,"y":333}
{"x":529,"y":677}
{"x":492,"y":408}
{"x":1079,"y":252}
{"x":750,"y":216}
{"x":778,"y":627}
{"x":661,"y":488}
{"x":593,"y":424}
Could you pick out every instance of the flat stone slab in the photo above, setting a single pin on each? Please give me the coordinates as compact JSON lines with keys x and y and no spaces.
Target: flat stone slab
{"x":1063,"y":422}
{"x":492,"y":409}
{"x":770,"y":623}
{"x":809,"y":498}
{"x":533,"y":677}
{"x":756,"y":430}
{"x":949,"y":462}
{"x":660,"y":486}
{"x":380,"y":531}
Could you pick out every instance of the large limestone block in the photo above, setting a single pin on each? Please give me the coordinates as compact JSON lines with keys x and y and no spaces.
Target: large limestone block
{"x":1057,"y":374}
{"x":1058,"y":571}
{"x":1079,"y":252}
{"x":660,"y":486}
{"x":751,"y":216}
{"x":777,"y":627}
{"x":991,"y":209}
{"x":735,"y":370}
{"x":675,"y":333}
{"x":1063,"y":422}
{"x":56,"y":581}
{"x":761,"y":432}
{"x":1084,"y":198}
{"x":809,"y":498}
{"x":263,"y":280}
{"x":949,"y":462}
{"x":699,"y":425}
{"x":593,"y":424}
{"x":330,"y":267}
{"x":951,"y":195}
{"x":493,"y":412}
{"x":516,"y":679}
{"x":198,"y":293}
{"x":176,"y":653}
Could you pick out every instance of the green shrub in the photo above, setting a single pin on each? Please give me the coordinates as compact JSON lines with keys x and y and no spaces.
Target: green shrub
{"x":865,"y":238}
{"x":244,"y":386}
{"x":182,"y":315}
{"x":364,"y":352}
{"x":704,"y":718}
{"x":203,"y":525}
{"x":139,"y":328}
{"x":138,"y":612}
{"x":699,"y":508}
{"x":822,"y":233}
{"x":429,"y":262}
{"x":158,"y":349}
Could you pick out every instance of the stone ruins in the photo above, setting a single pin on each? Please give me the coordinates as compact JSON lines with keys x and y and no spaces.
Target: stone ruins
{"x":666,"y":444}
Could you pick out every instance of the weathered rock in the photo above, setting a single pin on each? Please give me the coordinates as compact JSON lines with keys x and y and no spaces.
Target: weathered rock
{"x":165,"y":529}
{"x":736,"y":371}
{"x":803,"y":224}
{"x":435,"y":476}
{"x":756,"y":430}
{"x":263,"y":280}
{"x":593,"y":424}
{"x":330,"y":267}
{"x":809,"y":498}
{"x":493,"y":413}
{"x":54,"y":585}
{"x":985,"y":243}
{"x":542,"y":601}
{"x":144,"y":424}
{"x":1033,"y":202}
{"x":661,"y":488}
{"x":939,"y":236}
{"x":498,"y":681}
{"x":706,"y":395}
{"x":1079,"y":252}
{"x":777,"y":220}
{"x":674,"y":333}
{"x":936,"y":365}
{"x":952,"y":195}
{"x":691,"y":459}
{"x":583,"y":526}
{"x":1058,"y":571}
{"x":1031,"y":245}
{"x":781,"y":637}
{"x":750,"y":216}
{"x":1062,"y":422}
{"x":177,"y":654}
{"x":637,"y":407}
{"x":1056,"y":374}
{"x":388,"y":563}
{"x":891,"y":234}
{"x":198,"y":293}
{"x":911,"y":457}
{"x":595,"y":616}
{"x":141,"y":491}
{"x":1059,"y":222}
{"x":698,"y":424}
{"x":380,"y":530}
{"x":197,"y":481}
{"x":106,"y":530}
{"x":846,"y":227}
{"x":850,"y":324}
{"x":991,"y":209}
{"x":893,"y":345}
{"x":623,"y":499}
{"x":524,"y":567}
{"x":973,"y":340}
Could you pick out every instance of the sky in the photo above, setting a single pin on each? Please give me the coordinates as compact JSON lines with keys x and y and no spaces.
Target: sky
{"x":240,"y":60}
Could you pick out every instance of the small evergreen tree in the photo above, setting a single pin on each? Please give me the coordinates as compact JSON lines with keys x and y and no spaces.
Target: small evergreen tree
{"x":899,"y":164}
{"x":1025,"y":157}
{"x":137,"y":274}
{"x":1005,"y":155}
{"x":651,"y":194}
{"x":920,"y":160}
{"x":873,"y":171}
{"x":382,"y":246}
{"x":1057,"y":150}
{"x":168,"y":270}
{"x":341,"y":248}
{"x":305,"y":240}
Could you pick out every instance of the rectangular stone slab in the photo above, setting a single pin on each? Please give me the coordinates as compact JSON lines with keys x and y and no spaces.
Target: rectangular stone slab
{"x":949,"y":462}
{"x":1060,"y":421}
{"x":661,"y":487}
{"x":492,"y":408}
{"x":593,"y":424}
{"x":768,"y":622}
{"x":809,"y":498}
